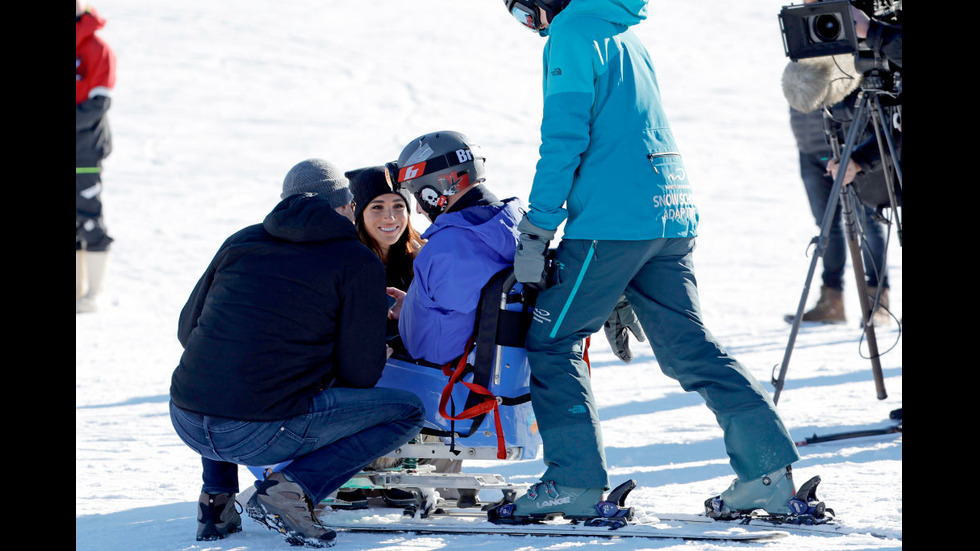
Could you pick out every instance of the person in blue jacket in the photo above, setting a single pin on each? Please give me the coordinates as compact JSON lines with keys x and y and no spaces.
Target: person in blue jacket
{"x":473,"y":236}
{"x":611,"y":171}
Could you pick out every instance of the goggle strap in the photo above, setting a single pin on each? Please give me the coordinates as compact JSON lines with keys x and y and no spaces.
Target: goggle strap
{"x":431,"y":165}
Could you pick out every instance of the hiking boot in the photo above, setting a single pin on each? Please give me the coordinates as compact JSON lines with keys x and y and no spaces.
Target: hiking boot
{"x":548,"y":499}
{"x":280,"y":505}
{"x":771,"y":492}
{"x":881,"y":315}
{"x":217,"y":516}
{"x":829,"y":307}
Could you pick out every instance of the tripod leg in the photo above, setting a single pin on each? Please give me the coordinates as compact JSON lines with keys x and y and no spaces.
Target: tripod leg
{"x":860,"y":120}
{"x":892,"y":168}
{"x":849,"y":203}
{"x":857,"y":261}
{"x":821,"y":240}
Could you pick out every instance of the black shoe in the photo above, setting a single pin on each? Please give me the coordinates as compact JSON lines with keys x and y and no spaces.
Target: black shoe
{"x":400,"y":498}
{"x":467,"y":498}
{"x":217,"y":516}
{"x":355,"y":499}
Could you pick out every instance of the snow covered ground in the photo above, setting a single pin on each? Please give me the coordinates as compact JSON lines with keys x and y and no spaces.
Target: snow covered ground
{"x":217,"y":100}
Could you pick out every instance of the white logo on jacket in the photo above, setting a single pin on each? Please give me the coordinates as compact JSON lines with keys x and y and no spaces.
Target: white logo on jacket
{"x":541,"y":316}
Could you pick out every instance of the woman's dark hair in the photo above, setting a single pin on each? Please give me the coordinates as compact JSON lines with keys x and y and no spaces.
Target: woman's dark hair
{"x":401,"y":255}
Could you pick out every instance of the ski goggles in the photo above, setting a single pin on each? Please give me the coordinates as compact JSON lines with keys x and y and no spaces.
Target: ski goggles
{"x":403,"y":176}
{"x":526,"y":15}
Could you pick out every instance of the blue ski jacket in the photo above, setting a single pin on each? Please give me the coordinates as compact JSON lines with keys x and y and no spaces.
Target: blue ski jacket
{"x":608,"y":161}
{"x":464,"y":249}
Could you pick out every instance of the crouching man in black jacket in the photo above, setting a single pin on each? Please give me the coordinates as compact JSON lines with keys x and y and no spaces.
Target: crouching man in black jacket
{"x":284,"y":340}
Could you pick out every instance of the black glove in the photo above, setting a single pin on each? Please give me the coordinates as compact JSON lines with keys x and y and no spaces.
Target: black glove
{"x":621,"y":322}
{"x":529,"y":260}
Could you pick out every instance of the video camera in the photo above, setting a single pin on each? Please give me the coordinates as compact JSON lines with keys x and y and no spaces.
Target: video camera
{"x":826,"y":27}
{"x":818,"y":29}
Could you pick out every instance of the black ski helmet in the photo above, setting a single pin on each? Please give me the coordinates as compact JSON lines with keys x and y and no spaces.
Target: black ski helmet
{"x":526,"y":11}
{"x":435,"y":166}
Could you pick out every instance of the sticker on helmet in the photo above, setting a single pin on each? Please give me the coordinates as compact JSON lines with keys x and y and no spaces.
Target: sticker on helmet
{"x":420,"y":154}
{"x":464,"y":155}
{"x":431,"y":197}
{"x":453,"y":182}
{"x":411,"y":171}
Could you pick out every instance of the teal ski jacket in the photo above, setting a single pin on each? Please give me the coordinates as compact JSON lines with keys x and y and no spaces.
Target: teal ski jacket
{"x":609,"y":166}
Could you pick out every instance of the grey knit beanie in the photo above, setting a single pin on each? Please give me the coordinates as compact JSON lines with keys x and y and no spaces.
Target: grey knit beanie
{"x":320,"y":177}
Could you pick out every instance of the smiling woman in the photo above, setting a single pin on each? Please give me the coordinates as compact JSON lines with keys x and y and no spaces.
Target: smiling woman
{"x":383,"y":223}
{"x":385,"y":219}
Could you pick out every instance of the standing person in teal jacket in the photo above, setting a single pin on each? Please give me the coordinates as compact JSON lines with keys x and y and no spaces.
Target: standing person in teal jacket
{"x":610,"y":170}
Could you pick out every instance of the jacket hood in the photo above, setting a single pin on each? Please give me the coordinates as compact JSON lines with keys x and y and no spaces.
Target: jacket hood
{"x":495,"y":225}
{"x":305,"y":218}
{"x":622,"y":12}
{"x":86,"y":25}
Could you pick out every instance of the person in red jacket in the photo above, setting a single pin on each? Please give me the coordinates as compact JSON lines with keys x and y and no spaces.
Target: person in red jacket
{"x":95,"y":76}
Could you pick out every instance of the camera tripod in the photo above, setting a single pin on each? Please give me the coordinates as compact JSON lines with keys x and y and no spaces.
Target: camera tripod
{"x":868,"y":109}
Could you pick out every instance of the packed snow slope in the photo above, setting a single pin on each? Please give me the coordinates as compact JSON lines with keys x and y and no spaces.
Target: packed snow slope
{"x":217,"y":100}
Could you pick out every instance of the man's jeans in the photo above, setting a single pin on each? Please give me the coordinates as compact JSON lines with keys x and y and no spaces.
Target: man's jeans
{"x":344,"y":430}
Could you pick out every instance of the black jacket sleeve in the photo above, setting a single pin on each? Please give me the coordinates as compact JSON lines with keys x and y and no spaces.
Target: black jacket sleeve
{"x":886,"y":40}
{"x":191,"y":312}
{"x":362,"y":326}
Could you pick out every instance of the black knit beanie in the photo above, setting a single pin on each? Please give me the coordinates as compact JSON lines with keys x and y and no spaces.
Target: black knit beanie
{"x":369,"y":183}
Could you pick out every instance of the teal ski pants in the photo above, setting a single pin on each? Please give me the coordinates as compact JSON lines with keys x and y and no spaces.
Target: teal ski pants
{"x":657,"y":277}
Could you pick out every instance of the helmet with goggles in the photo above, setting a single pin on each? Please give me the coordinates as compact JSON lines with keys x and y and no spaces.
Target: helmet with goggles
{"x":527,"y":14}
{"x":436,"y":166}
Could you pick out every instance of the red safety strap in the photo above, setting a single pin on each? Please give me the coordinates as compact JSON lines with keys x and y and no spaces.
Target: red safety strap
{"x":489,"y":403}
